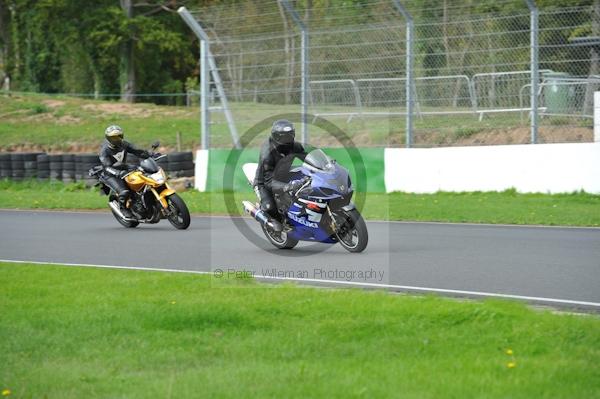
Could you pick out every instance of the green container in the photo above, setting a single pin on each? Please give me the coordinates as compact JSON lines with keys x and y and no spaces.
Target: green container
{"x":557,"y":96}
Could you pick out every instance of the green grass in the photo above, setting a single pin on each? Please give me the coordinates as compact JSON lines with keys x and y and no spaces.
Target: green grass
{"x":508,"y":207}
{"x":57,"y":195}
{"x":63,"y":123}
{"x":69,"y":332}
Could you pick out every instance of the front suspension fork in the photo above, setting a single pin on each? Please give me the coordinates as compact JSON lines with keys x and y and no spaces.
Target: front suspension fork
{"x":333,"y":224}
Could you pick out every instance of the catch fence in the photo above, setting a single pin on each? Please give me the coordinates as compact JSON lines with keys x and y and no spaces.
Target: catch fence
{"x":402,"y":73}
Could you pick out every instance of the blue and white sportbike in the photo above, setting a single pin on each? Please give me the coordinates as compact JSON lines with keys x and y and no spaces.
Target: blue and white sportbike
{"x":319,"y":211}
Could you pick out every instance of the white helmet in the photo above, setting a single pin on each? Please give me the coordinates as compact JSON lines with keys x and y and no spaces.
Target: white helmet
{"x":114,"y":135}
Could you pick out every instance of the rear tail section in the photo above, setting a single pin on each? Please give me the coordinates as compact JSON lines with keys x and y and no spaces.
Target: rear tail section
{"x":250,"y":171}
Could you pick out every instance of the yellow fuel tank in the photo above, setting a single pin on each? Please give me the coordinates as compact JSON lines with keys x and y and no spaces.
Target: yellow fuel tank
{"x":135,"y":181}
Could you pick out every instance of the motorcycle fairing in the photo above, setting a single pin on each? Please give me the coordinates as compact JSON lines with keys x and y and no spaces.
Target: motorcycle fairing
{"x":331,"y":183}
{"x":309,"y":224}
{"x":307,"y":214}
{"x":162,"y":196}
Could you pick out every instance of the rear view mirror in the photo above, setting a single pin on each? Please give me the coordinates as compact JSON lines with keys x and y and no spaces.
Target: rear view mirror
{"x":155,"y":145}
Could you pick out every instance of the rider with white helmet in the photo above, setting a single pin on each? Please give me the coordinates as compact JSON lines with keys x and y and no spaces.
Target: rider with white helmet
{"x":113,"y":156}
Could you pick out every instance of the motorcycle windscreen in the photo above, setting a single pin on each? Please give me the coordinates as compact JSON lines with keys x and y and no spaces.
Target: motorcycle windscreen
{"x":318,"y":159}
{"x":149,"y":165}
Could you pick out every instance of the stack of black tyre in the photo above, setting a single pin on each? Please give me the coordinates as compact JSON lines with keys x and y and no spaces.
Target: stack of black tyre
{"x":5,"y":166}
{"x":179,"y":164}
{"x":23,"y":165}
{"x":70,"y":168}
{"x":17,"y":166}
{"x":43,"y":167}
{"x":84,"y":162}
{"x":55,"y":166}
{"x":30,"y":164}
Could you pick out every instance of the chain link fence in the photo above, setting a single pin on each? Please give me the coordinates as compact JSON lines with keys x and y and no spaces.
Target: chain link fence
{"x":472,"y":69}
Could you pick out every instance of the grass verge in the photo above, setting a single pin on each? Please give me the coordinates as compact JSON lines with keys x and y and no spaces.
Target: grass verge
{"x":508,"y":207}
{"x":71,"y":332}
{"x":63,"y":123}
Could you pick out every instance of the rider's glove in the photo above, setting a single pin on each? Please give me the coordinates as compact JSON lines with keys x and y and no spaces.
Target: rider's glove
{"x":294,"y":185}
{"x":144,"y":154}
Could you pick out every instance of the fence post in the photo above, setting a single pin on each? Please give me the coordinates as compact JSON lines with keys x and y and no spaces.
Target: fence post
{"x":304,"y":67}
{"x":410,"y":81}
{"x":204,"y":103}
{"x":210,"y":64}
{"x":534,"y":48}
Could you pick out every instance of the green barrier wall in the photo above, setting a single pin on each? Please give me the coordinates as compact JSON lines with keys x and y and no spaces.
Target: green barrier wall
{"x":371,"y":158}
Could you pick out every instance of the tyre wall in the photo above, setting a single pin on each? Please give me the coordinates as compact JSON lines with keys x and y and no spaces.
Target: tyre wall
{"x":70,"y":168}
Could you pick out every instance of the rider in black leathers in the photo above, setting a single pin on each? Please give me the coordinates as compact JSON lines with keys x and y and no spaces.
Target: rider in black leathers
{"x":276,"y":157}
{"x":113,"y":156}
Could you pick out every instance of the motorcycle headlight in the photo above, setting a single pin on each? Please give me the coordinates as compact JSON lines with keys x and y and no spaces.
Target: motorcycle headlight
{"x":159,"y":177}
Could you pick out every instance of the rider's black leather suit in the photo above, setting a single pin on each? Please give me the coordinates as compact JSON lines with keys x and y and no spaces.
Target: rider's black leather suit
{"x":273,"y":171}
{"x":114,"y":158}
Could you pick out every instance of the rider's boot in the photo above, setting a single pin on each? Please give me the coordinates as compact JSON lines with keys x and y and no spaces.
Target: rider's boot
{"x":270,"y":211}
{"x":123,"y":203}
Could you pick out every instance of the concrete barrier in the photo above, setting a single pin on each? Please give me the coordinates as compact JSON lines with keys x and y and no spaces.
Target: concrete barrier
{"x":201,"y":170}
{"x":597,"y":117}
{"x":212,"y":164}
{"x":545,"y":168}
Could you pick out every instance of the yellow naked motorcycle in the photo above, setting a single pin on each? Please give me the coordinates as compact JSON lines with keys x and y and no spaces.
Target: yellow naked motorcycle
{"x":151,"y":199}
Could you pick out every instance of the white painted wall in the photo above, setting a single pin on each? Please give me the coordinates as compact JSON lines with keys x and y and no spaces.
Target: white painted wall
{"x":597,"y":117}
{"x":201,"y":170}
{"x":545,"y":168}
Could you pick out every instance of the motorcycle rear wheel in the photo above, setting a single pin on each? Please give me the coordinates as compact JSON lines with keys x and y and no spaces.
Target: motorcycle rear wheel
{"x":279,"y":240}
{"x":180,"y":215}
{"x":353,"y":234}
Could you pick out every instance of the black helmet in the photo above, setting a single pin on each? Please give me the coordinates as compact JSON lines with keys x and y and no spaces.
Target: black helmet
{"x":283,"y":133}
{"x":114,"y":135}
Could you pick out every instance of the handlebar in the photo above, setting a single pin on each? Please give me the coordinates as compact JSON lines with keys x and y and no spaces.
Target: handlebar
{"x":307,"y":181}
{"x":95,"y":170}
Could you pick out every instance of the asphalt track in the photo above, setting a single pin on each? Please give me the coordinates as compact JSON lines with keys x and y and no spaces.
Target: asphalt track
{"x":556,"y":266}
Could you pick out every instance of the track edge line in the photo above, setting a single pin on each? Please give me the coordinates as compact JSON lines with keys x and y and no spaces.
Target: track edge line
{"x":335,"y":282}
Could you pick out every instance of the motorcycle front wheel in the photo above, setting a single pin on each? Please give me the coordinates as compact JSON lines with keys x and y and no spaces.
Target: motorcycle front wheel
{"x":352,"y":233}
{"x":179,"y":215}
